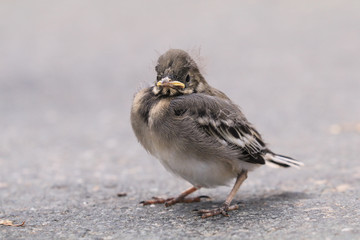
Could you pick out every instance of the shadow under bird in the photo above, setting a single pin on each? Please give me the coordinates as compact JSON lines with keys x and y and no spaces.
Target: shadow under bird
{"x":197,"y":132}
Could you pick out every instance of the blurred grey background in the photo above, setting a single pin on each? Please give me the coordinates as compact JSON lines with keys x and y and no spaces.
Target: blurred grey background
{"x":69,"y":70}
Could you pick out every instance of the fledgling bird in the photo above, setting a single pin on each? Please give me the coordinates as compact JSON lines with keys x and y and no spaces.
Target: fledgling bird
{"x":197,"y":132}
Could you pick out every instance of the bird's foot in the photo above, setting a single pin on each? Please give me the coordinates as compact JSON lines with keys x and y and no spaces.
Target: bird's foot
{"x":184,"y":200}
{"x":205,"y":213}
{"x":155,"y":200}
{"x":171,"y":201}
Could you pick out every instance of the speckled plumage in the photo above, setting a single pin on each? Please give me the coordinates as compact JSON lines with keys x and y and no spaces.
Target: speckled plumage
{"x":195,"y":130}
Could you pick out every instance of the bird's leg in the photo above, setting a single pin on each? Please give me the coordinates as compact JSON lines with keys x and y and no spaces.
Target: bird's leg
{"x":226,"y":206}
{"x":179,"y":199}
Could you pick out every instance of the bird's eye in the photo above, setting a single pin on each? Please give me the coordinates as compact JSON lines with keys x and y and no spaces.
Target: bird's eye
{"x":187,"y":78}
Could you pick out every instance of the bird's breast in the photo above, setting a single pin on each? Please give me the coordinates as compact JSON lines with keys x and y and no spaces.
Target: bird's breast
{"x":199,"y":172}
{"x":161,"y":132}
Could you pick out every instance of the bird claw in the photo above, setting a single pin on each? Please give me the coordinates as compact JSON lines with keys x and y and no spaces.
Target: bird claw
{"x":171,"y":201}
{"x":205,"y":213}
{"x":204,"y":196}
{"x":155,"y":200}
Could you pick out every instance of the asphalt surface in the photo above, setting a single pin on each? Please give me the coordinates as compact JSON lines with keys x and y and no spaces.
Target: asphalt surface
{"x":68,"y":72}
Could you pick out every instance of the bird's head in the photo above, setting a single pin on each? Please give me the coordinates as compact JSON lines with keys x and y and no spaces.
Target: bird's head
{"x":177,"y":74}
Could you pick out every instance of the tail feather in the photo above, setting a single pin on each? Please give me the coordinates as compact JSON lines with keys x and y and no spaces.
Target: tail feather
{"x":277,"y":160}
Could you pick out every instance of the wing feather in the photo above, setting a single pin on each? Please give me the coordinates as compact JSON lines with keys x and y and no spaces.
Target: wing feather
{"x":223,"y":121}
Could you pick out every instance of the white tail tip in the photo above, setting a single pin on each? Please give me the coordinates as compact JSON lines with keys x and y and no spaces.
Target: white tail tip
{"x":276,"y":160}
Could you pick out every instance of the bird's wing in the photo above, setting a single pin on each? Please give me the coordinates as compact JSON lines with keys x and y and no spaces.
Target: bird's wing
{"x":222,"y":120}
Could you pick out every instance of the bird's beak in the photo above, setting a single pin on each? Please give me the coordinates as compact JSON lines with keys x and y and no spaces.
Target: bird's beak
{"x":167,"y":82}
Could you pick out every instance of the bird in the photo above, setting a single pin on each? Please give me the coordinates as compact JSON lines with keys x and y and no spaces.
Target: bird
{"x":197,"y":132}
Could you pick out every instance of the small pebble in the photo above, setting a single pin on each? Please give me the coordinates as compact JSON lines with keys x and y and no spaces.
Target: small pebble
{"x":122,"y":194}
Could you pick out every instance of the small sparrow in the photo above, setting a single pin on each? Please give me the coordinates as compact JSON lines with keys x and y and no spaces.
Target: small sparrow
{"x":197,"y":132}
